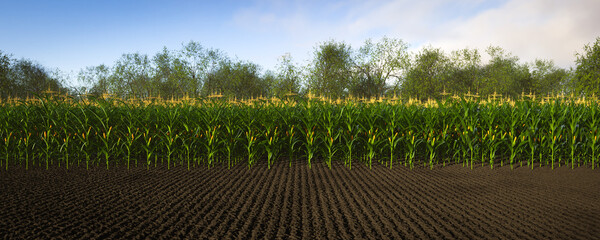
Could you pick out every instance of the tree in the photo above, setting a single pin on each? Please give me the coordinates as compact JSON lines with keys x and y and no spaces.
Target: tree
{"x":587,"y":72}
{"x":428,"y":75}
{"x":287,"y":79}
{"x":188,"y":85}
{"x":169,"y":83}
{"x":547,"y":78}
{"x":99,"y":77}
{"x":22,"y":78}
{"x":132,"y":76}
{"x":236,"y":79}
{"x":7,"y":84}
{"x":198,"y":63}
{"x":504,"y":75}
{"x":331,"y":70}
{"x":465,"y":72}
{"x":378,"y":63}
{"x":30,"y":77}
{"x":269,"y":81}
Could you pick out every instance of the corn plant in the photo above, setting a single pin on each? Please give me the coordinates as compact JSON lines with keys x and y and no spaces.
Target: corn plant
{"x":444,"y":139}
{"x":64,"y":147}
{"x":148,"y":146}
{"x":51,"y":131}
{"x":392,"y":143}
{"x":532,"y":131}
{"x":27,"y":142}
{"x":391,"y":131}
{"x":371,"y":144}
{"x":446,"y":119}
{"x":291,"y":143}
{"x":130,"y":140}
{"x":574,"y":118}
{"x":410,"y":120}
{"x":329,"y":121}
{"x":554,"y":133}
{"x":431,"y":147}
{"x":468,"y":141}
{"x":592,"y":137}
{"x":7,"y":147}
{"x":46,"y":138}
{"x":349,"y":130}
{"x":309,"y":123}
{"x":429,"y":136}
{"x":412,"y":145}
{"x":210,"y":143}
{"x":232,"y":135}
{"x":84,"y":139}
{"x":287,"y":115}
{"x":82,"y":132}
{"x":271,"y":143}
{"x":516,"y":138}
{"x":250,"y":146}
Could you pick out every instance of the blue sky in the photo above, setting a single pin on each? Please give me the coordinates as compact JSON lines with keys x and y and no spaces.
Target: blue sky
{"x":71,"y":35}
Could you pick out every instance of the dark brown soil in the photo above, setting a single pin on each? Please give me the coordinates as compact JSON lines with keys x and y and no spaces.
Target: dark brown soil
{"x":449,"y":202}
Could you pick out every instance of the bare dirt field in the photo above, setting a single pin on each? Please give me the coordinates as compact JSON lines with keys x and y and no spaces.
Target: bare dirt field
{"x":451,"y":202}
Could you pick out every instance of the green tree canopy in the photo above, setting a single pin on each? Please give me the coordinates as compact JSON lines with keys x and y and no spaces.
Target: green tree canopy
{"x":428,"y":74}
{"x":587,"y":73}
{"x":29,"y":78}
{"x":504,"y":75}
{"x":377,"y":64}
{"x":547,"y":78}
{"x":288,"y":77}
{"x":331,"y":70}
{"x":374,"y":69}
{"x":236,"y":79}
{"x":465,"y":71}
{"x":7,"y":84}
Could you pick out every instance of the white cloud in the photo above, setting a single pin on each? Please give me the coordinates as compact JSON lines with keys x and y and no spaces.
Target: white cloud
{"x":529,"y":29}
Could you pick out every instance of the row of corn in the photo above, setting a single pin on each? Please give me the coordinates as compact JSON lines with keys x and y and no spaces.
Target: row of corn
{"x":110,"y":133}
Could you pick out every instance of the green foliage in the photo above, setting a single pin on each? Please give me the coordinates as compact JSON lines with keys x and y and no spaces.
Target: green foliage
{"x":192,"y":71}
{"x":238,"y":79}
{"x":107,"y":133}
{"x":288,"y":80}
{"x":132,"y":76}
{"x":428,"y":75}
{"x":433,"y":72}
{"x":374,"y":70}
{"x":587,"y":73}
{"x":504,"y":74}
{"x":100,"y":77}
{"x":465,"y":73}
{"x":169,"y":75}
{"x":547,"y":78}
{"x":196,"y":63}
{"x":6,"y":83}
{"x":378,"y":64}
{"x":331,"y":70}
{"x":25,"y":78}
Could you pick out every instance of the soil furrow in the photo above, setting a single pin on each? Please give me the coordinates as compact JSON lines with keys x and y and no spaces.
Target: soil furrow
{"x":346,"y":220}
{"x":451,"y":202}
{"x":363,"y":200}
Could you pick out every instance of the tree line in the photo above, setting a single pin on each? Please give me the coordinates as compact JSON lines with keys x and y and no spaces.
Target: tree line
{"x":336,"y":70}
{"x":22,"y":78}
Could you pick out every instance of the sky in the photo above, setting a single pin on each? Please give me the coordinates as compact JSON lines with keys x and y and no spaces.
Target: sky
{"x":73,"y":34}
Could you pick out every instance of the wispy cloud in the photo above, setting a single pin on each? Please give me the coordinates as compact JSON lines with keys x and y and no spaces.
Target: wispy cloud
{"x":529,"y":29}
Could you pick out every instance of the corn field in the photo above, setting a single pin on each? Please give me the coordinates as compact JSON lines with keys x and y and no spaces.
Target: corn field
{"x":50,"y":131}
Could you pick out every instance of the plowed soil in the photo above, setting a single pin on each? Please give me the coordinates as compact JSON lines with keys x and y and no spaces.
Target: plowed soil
{"x":283,"y":202}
